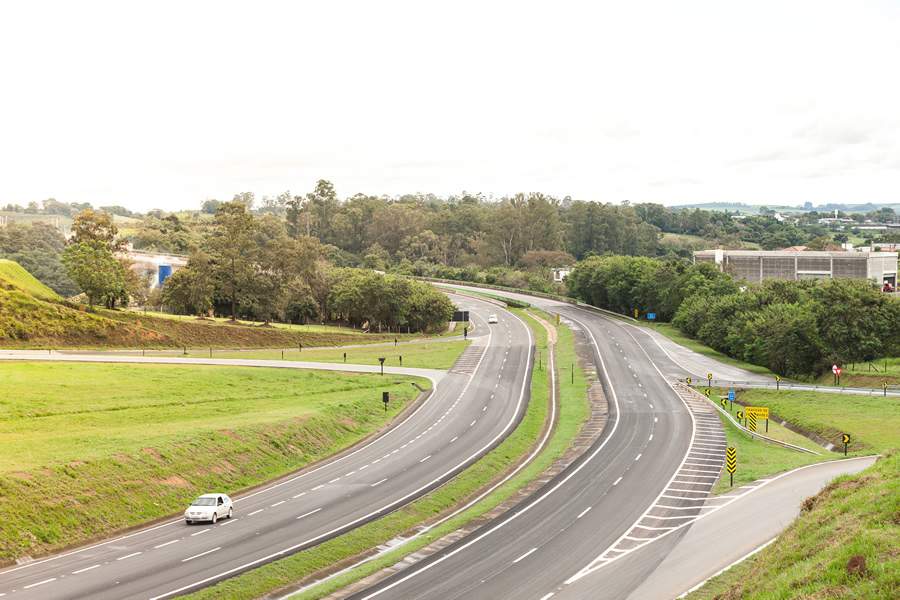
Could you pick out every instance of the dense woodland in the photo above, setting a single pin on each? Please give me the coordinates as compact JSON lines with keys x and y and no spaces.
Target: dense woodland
{"x":794,"y":328}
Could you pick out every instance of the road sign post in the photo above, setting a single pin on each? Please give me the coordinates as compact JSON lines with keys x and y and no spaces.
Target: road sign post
{"x":846,"y":439}
{"x":345,"y":357}
{"x":837,"y":374}
{"x":731,"y":398}
{"x":707,"y":392}
{"x":751,"y":421}
{"x":757,"y":412}
{"x":884,"y":387}
{"x":740,"y":416}
{"x":731,"y":463}
{"x":381,"y":360}
{"x":400,"y":356}
{"x":688,"y":380}
{"x":777,"y":383}
{"x":724,"y":402}
{"x":709,"y":378}
{"x":385,"y":397}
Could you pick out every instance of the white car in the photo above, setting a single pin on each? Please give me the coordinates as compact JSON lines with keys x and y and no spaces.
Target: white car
{"x":209,"y":507}
{"x":492,"y":319}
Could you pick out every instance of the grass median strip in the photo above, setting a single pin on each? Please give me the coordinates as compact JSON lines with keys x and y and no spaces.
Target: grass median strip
{"x":573,"y":412}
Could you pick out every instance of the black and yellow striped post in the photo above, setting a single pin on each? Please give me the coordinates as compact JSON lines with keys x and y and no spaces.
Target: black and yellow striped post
{"x":731,"y":463}
{"x":751,"y":421}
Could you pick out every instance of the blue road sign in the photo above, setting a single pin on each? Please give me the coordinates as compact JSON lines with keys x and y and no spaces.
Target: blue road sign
{"x":651,"y":316}
{"x":731,"y":395}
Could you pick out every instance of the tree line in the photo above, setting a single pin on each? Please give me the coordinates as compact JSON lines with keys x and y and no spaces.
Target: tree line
{"x":794,"y":328}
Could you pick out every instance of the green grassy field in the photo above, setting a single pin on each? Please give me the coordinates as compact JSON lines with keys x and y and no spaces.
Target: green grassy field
{"x":872,"y":422}
{"x":854,"y":516}
{"x":139,"y":449}
{"x":674,"y":334}
{"x":869,"y":374}
{"x":13,"y":274}
{"x":573,"y":412}
{"x":429,"y":355}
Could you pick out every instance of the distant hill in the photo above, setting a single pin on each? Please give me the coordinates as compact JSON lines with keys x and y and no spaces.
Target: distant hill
{"x":16,"y":276}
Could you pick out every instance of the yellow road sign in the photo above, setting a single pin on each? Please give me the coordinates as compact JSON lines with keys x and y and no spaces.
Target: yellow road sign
{"x":688,"y":379}
{"x":707,"y":391}
{"x":739,"y":415}
{"x":760,"y":412}
{"x":709,"y":376}
{"x":778,"y":378}
{"x":724,"y":402}
{"x":751,"y":421}
{"x":845,"y":438}
{"x":731,"y":460}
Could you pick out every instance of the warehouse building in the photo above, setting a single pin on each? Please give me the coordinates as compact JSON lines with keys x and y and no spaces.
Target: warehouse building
{"x":755,"y":265}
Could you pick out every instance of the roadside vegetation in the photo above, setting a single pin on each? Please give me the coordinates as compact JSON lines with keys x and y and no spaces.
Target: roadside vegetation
{"x":843,"y":545}
{"x":342,"y":551}
{"x":789,"y":327}
{"x":82,"y":458}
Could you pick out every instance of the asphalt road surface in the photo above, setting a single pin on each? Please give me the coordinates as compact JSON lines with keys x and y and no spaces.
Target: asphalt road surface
{"x":592,"y":531}
{"x":471,"y":409}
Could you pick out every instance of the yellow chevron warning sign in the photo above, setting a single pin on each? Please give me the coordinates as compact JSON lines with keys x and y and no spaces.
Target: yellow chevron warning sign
{"x":731,"y":462}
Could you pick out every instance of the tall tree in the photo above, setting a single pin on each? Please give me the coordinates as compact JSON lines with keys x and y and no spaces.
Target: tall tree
{"x":233,"y":251}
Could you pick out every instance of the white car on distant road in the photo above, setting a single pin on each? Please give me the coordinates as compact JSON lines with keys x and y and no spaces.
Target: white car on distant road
{"x":209,"y":507}
{"x":492,"y":319}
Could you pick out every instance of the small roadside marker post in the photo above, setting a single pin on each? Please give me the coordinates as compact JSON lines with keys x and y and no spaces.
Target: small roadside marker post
{"x":884,"y":387}
{"x":731,"y":399}
{"x":381,"y":360}
{"x":751,"y":421}
{"x":731,"y":463}
{"x":401,"y":359}
{"x":707,"y":392}
{"x":385,"y":397}
{"x":740,"y":416}
{"x":573,"y":373}
{"x":687,"y":380}
{"x":724,"y":402}
{"x":777,"y":382}
{"x":299,"y":346}
{"x":846,"y":439}
{"x":345,"y":357}
{"x":709,"y":378}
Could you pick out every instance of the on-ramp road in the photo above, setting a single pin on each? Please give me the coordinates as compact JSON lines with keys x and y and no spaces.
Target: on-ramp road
{"x":470,"y":411}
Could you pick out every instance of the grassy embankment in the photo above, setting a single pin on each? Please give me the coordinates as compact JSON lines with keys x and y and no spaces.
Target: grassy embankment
{"x":573,"y":412}
{"x":80,"y":458}
{"x":33,"y":316}
{"x":855,"y":515}
{"x":869,"y":374}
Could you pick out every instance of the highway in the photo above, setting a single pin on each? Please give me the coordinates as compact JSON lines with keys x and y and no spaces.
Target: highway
{"x":472,"y":408}
{"x":602,"y":526}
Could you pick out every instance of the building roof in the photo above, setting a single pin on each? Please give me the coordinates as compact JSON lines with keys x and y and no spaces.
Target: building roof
{"x":809,"y":253}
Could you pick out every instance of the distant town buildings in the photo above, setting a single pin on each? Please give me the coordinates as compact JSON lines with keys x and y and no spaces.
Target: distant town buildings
{"x":757,"y":265}
{"x":560,"y":274}
{"x":154,"y":267}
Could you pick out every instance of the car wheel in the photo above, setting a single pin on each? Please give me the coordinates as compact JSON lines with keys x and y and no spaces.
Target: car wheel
{"x":215,"y":517}
{"x":230,"y":512}
{"x":187,"y":521}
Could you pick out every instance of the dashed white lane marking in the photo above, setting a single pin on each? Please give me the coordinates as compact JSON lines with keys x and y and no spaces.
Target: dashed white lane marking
{"x":424,"y":459}
{"x":201,"y":554}
{"x":473,"y":422}
{"x":379,"y":482}
{"x":525,"y":555}
{"x":129,"y":555}
{"x":278,"y":503}
{"x":584,"y":512}
{"x":199,"y":532}
{"x":318,"y":487}
{"x":616,"y":482}
{"x":655,"y":419}
{"x":255,"y":512}
{"x":312,"y":512}
{"x":364,"y":467}
{"x":96,"y":566}
{"x":638,"y":457}
{"x":651,"y":406}
{"x":349,"y":474}
{"x":228,"y":522}
{"x":650,"y":439}
{"x":483,"y":408}
{"x":28,"y":587}
{"x":336,"y":479}
{"x":298,"y":495}
{"x":547,"y":596}
{"x":164,"y":544}
{"x":456,"y":437}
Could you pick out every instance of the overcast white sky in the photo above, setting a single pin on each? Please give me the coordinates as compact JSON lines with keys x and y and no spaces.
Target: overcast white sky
{"x":674,"y":102}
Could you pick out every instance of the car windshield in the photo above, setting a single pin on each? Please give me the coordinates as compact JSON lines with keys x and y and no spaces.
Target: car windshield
{"x":204,"y":502}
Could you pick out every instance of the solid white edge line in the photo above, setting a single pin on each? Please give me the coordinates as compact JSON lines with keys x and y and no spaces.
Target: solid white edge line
{"x":397,"y":502}
{"x":434,"y":387}
{"x":759,"y":548}
{"x":587,"y":570}
{"x":541,"y":498}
